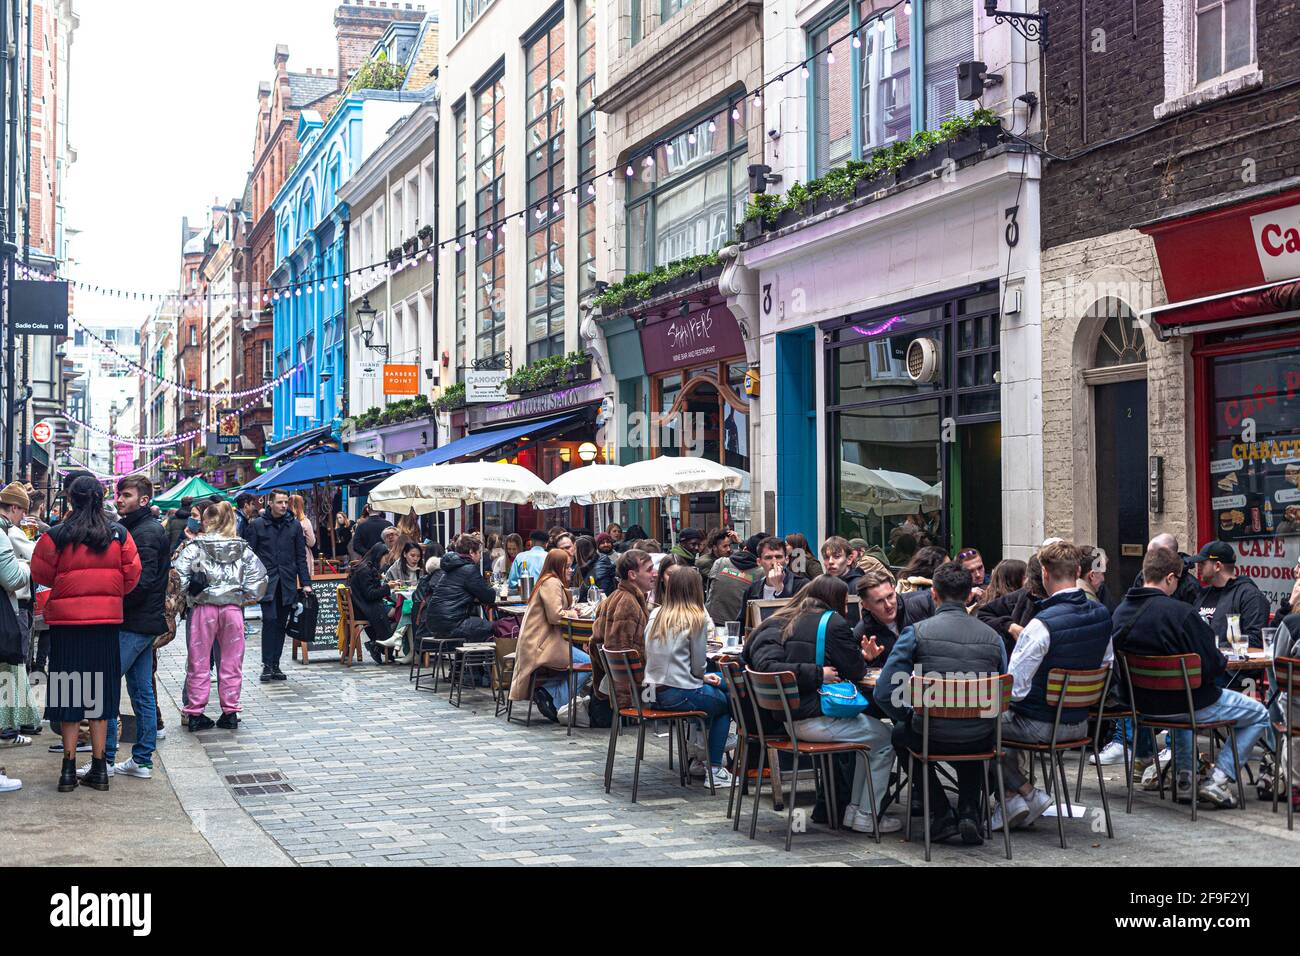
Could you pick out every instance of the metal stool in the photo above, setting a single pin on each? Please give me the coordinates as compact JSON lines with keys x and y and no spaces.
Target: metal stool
{"x":477,"y":659}
{"x":439,"y":648}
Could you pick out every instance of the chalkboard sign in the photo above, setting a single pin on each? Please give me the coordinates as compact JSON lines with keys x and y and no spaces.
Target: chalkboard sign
{"x":326,"y":589}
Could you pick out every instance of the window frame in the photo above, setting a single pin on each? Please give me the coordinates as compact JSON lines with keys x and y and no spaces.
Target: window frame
{"x":493,"y":85}
{"x":1194,"y":12}
{"x":540,"y":49}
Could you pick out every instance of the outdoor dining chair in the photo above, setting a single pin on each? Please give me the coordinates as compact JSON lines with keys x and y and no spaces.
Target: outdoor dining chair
{"x":1077,"y":690}
{"x":351,"y":643}
{"x":733,"y":679}
{"x":1284,"y":669}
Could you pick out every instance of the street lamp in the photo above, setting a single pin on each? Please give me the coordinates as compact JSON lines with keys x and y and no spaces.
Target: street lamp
{"x":587,"y":452}
{"x":366,"y":319}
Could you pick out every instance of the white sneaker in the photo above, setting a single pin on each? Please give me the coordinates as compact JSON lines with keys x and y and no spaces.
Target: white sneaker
{"x":721,"y":777}
{"x":1017,"y":810}
{"x":82,"y":771}
{"x":9,"y":784}
{"x":1037,"y":803}
{"x":850,"y":813}
{"x":862,"y":823}
{"x":1150,"y":778}
{"x":129,"y":768}
{"x":17,"y":740}
{"x":1217,"y":789}
{"x":162,"y":733}
{"x":1110,"y":755}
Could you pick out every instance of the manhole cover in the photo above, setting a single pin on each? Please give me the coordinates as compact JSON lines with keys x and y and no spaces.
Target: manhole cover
{"x":258,"y":784}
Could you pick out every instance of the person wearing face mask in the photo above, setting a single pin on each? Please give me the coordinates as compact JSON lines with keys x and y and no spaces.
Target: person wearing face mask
{"x":777,"y":580}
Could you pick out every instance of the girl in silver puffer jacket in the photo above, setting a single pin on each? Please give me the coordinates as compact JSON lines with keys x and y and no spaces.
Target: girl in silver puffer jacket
{"x":220,"y":574}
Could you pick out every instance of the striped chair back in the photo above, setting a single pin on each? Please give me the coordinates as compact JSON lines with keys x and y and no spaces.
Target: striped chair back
{"x":1079,"y":689}
{"x":733,"y":679}
{"x":627,"y":671}
{"x":777,"y":691}
{"x":1173,"y":672}
{"x":961,"y":698}
{"x":1287,"y":671}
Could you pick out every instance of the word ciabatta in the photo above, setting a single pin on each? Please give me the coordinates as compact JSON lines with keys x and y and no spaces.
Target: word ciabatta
{"x":75,"y":909}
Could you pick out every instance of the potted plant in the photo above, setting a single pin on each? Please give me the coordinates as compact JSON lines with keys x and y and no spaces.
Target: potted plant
{"x":577,"y":367}
{"x":394,"y":256}
{"x":426,"y":236}
{"x":409,"y":245}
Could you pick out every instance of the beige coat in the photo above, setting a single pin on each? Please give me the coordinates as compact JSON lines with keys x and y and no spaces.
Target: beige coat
{"x":541,"y":637}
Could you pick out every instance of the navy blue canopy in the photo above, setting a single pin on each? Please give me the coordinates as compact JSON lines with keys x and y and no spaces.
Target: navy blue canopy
{"x":482,"y":441}
{"x":319,"y":466}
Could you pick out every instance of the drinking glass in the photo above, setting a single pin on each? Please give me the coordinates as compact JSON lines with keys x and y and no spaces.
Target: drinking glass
{"x":1240,"y":649}
{"x":733,"y":632}
{"x":1269,"y":634}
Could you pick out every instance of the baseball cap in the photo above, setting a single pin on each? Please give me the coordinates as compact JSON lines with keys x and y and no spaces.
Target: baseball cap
{"x":1216,"y":551}
{"x":859,"y":544}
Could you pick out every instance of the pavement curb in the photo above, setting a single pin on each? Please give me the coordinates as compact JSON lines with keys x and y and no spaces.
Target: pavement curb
{"x":234,"y":836}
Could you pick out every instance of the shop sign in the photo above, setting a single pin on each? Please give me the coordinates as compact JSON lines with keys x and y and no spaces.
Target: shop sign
{"x":123,"y":458}
{"x":1270,"y":563}
{"x":304,"y":406}
{"x":229,"y":425}
{"x":1277,"y":242}
{"x":401,"y":380}
{"x":484,"y":386}
{"x":38,"y":307}
{"x":707,"y":334}
{"x":43,"y":433}
{"x":369,"y":370}
{"x":537,"y":406}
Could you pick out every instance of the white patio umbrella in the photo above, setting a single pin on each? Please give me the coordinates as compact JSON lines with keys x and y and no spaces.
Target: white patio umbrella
{"x":668,"y":475}
{"x":443,"y":487}
{"x":587,"y":485}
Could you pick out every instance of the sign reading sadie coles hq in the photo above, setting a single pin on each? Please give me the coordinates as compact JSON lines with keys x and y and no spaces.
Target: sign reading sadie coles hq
{"x":705,"y":334}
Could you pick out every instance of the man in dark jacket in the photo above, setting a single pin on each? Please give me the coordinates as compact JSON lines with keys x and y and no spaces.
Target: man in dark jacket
{"x":951,"y":643}
{"x":884,"y":614}
{"x":603,"y":570}
{"x":1189,"y":589}
{"x":777,"y":579}
{"x":689,"y":544}
{"x":1151,"y":623}
{"x":455,"y":601}
{"x":276,"y":538}
{"x":1069,"y":632}
{"x":143,"y":620}
{"x":369,"y":532}
{"x":1227,"y":592}
{"x":176,"y":524}
{"x":245,"y":512}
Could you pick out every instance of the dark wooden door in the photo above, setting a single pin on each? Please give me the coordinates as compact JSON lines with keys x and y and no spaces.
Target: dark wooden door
{"x":1122,"y":520}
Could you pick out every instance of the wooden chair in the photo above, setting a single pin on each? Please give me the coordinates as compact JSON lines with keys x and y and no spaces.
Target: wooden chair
{"x":990,"y":696}
{"x":627,"y":673}
{"x":779,"y":692}
{"x":1075,"y":690}
{"x":1176,"y":672}
{"x":733,"y":679}
{"x":351,"y":627}
{"x":1284,"y":669}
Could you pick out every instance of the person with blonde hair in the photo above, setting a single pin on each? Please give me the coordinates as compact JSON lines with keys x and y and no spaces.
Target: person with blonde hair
{"x":298,"y":505}
{"x":676,"y":644}
{"x":221,"y":573}
{"x":542,"y":644}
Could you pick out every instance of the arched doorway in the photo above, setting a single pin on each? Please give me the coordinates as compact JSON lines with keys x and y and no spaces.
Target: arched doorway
{"x":1118,"y":378}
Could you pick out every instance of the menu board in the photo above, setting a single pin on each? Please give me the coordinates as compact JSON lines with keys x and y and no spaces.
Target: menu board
{"x":326,"y":589}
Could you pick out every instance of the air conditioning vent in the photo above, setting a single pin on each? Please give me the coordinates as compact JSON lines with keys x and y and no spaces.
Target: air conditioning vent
{"x":923,"y":361}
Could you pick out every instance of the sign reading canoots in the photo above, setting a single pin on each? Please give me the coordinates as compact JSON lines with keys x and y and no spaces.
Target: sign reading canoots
{"x":38,"y":308}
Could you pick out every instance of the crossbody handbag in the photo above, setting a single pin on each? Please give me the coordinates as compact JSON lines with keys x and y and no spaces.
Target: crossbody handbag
{"x":841,"y":699}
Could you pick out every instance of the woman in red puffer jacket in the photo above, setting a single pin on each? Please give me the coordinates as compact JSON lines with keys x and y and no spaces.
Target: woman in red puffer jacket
{"x":90,"y":563}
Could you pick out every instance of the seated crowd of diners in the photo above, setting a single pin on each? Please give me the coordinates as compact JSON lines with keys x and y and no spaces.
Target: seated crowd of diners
{"x":936,"y":615}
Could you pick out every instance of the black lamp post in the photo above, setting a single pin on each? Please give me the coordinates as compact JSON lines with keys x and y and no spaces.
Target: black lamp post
{"x":366,"y":319}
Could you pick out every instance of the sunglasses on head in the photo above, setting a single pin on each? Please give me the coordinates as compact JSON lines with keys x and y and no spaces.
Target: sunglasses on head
{"x":967,"y":554}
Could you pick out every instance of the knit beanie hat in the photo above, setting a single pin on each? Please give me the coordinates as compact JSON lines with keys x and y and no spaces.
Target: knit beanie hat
{"x":15,"y":494}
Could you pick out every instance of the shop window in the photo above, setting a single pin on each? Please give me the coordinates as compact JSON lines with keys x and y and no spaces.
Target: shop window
{"x":1225,"y":37}
{"x":1121,"y":341}
{"x":949,"y":40}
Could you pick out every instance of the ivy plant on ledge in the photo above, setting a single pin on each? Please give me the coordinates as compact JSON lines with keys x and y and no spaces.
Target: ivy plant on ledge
{"x":408,"y":409}
{"x":549,"y":373}
{"x":641,"y":285}
{"x":955,"y":139}
{"x":451,"y":399}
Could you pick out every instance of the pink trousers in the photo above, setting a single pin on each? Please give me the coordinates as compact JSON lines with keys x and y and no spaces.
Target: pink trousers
{"x":225,"y":625}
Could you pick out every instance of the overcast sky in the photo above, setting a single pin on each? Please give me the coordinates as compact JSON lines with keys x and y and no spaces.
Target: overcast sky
{"x":162,"y":115}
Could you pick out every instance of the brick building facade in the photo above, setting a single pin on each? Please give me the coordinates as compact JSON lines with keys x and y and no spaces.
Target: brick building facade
{"x":1162,"y":154}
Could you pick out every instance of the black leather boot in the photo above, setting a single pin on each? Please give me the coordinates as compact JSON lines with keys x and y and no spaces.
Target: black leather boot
{"x":228,"y":721}
{"x":68,"y":775}
{"x":97,"y":779}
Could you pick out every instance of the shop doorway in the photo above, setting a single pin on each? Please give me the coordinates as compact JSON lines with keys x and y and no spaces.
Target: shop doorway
{"x":979,"y":477}
{"x":1121,"y":458}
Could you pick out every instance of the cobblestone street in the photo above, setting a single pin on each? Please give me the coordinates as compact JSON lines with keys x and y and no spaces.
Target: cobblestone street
{"x":384,"y":775}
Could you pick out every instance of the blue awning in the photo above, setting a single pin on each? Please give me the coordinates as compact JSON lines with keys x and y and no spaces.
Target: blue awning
{"x":315,"y":435}
{"x":480,"y":442}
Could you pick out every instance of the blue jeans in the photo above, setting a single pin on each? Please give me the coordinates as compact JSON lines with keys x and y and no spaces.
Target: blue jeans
{"x":713,"y":702}
{"x":559,"y":687}
{"x":1146,"y":740}
{"x":1251,"y":719}
{"x":137,"y":666}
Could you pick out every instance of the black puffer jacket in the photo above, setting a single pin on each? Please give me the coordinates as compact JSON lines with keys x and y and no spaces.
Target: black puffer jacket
{"x":368,"y":592}
{"x":454,"y":599}
{"x":765,"y":652}
{"x":142,"y":609}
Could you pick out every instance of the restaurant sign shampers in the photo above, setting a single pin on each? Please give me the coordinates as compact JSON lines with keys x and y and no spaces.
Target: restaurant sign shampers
{"x":706,"y":334}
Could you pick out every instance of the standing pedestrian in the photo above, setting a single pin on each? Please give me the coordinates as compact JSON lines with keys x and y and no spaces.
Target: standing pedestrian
{"x":90,"y":564}
{"x":143,"y":619}
{"x":245,"y":511}
{"x":18,"y":708}
{"x":299,"y":508}
{"x":276,"y":538}
{"x":221,"y":574}
{"x":177,"y":522}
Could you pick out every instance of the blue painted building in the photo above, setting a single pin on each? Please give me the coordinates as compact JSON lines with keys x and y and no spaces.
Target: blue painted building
{"x":311,"y":254}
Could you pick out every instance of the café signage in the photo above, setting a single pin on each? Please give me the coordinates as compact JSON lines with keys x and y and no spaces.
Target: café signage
{"x":483,"y":386}
{"x":1277,"y":241}
{"x":401,"y":379}
{"x":535,"y":406}
{"x":706,"y":334}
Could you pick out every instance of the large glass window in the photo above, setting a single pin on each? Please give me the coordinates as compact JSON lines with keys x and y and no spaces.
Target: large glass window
{"x":544,"y":62}
{"x":489,"y":207}
{"x":949,"y":40}
{"x":885,"y":78}
{"x":586,"y":144}
{"x":685,"y":197}
{"x":462,"y":221}
{"x":467,"y":11}
{"x":1225,"y":37}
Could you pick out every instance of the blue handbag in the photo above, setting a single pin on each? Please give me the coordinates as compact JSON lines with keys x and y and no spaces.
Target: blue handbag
{"x":842,"y":699}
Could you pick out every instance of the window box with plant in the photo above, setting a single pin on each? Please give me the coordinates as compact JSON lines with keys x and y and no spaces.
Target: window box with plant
{"x":395,"y":256}
{"x":662,"y":280}
{"x":548,"y":373}
{"x":408,"y":409}
{"x":409,"y":245}
{"x":451,"y":399}
{"x":957,"y":139}
{"x":426,"y":236}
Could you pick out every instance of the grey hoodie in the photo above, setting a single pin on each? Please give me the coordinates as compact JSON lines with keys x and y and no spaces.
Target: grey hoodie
{"x":235,"y":575}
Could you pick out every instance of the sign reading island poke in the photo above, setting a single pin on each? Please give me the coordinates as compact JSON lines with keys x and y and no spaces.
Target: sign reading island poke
{"x":706,"y":334}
